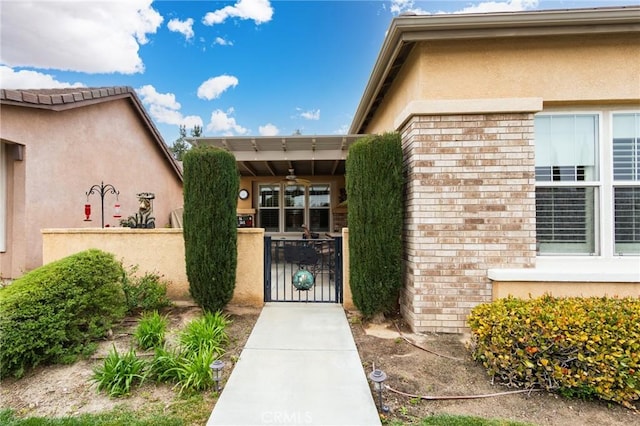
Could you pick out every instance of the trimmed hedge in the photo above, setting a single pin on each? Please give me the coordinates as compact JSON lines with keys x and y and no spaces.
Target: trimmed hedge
{"x":52,"y":313}
{"x":211,"y":184}
{"x":578,"y":347}
{"x":374,"y":187}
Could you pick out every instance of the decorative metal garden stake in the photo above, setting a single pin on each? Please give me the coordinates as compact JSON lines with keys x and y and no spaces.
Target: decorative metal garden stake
{"x":101,"y":189}
{"x":217,"y":366}
{"x":378,"y":377}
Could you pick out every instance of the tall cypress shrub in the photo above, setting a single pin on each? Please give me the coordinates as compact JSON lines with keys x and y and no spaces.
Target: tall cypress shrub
{"x":211,"y":184}
{"x":374,"y":187}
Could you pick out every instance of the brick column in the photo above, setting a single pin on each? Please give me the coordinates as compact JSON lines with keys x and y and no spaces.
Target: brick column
{"x":470,"y":207}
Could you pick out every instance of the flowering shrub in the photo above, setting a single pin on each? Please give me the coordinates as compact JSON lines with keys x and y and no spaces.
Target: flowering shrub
{"x":578,"y":347}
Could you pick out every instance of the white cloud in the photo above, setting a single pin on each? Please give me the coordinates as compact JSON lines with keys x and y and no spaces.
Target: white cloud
{"x":86,"y":36}
{"x":26,"y":79}
{"x":164,"y":108}
{"x":259,"y":11}
{"x":342,"y":130}
{"x":215,"y":86}
{"x":401,"y":6}
{"x":268,"y":130}
{"x":500,"y":6}
{"x":313,"y":114}
{"x":183,"y":27}
{"x":223,"y":124}
{"x":222,"y":42}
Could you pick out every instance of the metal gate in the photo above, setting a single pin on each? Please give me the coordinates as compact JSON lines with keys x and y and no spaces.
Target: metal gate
{"x":322,"y":258}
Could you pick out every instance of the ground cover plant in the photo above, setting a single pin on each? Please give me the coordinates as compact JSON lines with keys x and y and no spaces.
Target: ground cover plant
{"x":56,"y":312}
{"x":579,"y":347}
{"x":151,"y":329}
{"x":185,"y":364}
{"x":120,"y":372}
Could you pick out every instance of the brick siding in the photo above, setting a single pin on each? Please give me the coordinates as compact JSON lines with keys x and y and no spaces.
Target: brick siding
{"x":470,"y":206}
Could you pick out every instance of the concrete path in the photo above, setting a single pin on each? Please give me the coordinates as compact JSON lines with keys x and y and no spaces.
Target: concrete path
{"x":300,"y":366}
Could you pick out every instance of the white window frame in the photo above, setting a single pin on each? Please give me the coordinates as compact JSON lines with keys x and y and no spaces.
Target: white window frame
{"x":604,"y":204}
{"x":612,"y":184}
{"x":597,"y":184}
{"x":282,"y":208}
{"x":607,"y":267}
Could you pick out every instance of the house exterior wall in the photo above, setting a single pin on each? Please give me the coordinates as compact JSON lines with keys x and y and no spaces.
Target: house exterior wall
{"x":527,"y":289}
{"x":580,"y":70}
{"x":470,"y":207}
{"x":65,"y":153}
{"x":465,"y":111}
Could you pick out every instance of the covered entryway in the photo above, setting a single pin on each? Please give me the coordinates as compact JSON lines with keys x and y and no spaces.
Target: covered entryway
{"x":300,"y":270}
{"x":287,"y":182}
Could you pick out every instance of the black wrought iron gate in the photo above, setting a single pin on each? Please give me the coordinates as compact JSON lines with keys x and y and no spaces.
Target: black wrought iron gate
{"x":322,"y":258}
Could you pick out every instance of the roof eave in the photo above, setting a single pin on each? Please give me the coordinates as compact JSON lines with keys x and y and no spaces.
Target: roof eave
{"x":408,"y":29}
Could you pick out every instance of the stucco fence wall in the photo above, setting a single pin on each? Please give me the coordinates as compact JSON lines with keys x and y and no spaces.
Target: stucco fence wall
{"x":162,"y":251}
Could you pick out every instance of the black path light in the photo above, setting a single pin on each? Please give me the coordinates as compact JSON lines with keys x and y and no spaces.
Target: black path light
{"x":216,"y":367}
{"x":102,"y":190}
{"x":378,"y":377}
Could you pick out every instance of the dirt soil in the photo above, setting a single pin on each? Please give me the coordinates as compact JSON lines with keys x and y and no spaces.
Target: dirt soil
{"x":443,"y":368}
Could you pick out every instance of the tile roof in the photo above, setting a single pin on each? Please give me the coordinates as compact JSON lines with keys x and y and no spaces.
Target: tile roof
{"x":54,"y":97}
{"x":75,"y":97}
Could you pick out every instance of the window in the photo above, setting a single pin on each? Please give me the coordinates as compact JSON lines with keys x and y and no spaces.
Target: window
{"x":319,"y":208}
{"x":566,"y":183}
{"x":626,"y":180}
{"x":269,"y":204}
{"x":300,"y":204}
{"x":588,"y":183}
{"x":295,"y":203}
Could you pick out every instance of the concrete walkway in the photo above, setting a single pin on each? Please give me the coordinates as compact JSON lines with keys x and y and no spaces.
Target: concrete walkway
{"x":300,"y":366}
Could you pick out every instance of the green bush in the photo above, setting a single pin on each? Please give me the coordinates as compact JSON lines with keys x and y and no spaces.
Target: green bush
{"x":147,"y":292}
{"x":211,"y":183}
{"x":579,"y":347}
{"x":374,"y":187}
{"x":151,"y":330}
{"x":52,"y":313}
{"x":119,"y":373}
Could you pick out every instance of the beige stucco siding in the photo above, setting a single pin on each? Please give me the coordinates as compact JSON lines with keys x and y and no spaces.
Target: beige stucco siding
{"x":560,"y":70}
{"x":67,"y":152}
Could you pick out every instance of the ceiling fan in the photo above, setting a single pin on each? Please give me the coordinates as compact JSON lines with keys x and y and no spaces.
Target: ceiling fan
{"x":292,"y":179}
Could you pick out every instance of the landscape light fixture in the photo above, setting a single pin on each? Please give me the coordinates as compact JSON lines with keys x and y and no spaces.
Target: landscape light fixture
{"x":216,"y":367}
{"x":378,"y":377}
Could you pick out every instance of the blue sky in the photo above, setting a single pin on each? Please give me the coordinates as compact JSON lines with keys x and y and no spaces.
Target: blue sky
{"x":243,"y":67}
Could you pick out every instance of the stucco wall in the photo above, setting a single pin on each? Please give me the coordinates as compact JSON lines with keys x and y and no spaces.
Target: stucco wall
{"x":560,"y":70}
{"x":162,"y":251}
{"x":526,"y":290}
{"x":65,"y":154}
